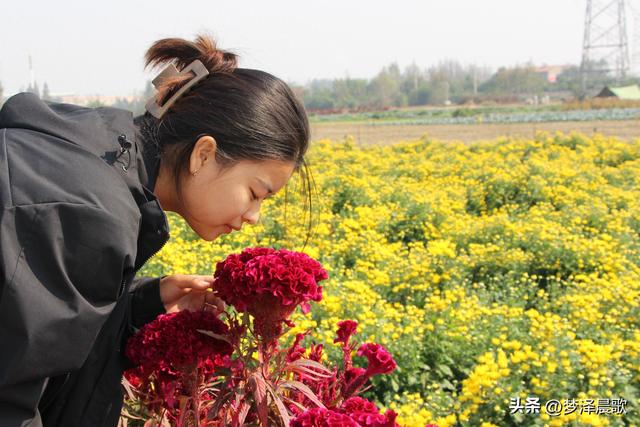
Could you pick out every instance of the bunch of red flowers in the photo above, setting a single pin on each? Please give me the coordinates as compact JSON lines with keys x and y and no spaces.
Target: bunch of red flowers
{"x":337,"y":391}
{"x":354,"y":412}
{"x":201,"y":369}
{"x":172,"y":358}
{"x":269,"y":284}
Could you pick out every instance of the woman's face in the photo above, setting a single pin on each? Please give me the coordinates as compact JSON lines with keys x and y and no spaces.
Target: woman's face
{"x":215,"y":201}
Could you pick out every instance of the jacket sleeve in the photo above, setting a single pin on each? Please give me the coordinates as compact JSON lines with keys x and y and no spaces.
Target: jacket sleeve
{"x":146,"y":304}
{"x":62,"y":270}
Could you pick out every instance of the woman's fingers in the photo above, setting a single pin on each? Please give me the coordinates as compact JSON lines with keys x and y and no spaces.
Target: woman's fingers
{"x":211,"y":299}
{"x":192,"y":281}
{"x":200,"y":284}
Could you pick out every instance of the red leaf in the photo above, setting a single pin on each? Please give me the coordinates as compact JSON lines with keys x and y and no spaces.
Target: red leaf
{"x":282,"y":410}
{"x":304,"y":389}
{"x":304,"y":366}
{"x":307,"y":363}
{"x":260,"y":396}
{"x":241,"y":414}
{"x":220,"y":401}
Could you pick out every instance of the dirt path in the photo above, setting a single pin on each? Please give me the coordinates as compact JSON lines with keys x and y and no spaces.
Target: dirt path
{"x":385,"y":134}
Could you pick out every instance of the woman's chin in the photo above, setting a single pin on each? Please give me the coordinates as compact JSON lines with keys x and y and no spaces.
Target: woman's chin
{"x":215,"y":233}
{"x":208,"y":233}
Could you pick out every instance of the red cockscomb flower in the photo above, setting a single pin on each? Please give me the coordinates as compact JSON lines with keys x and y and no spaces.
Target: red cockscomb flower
{"x":296,"y":351}
{"x":358,"y":404}
{"x":367,"y":414}
{"x":172,"y":342}
{"x":320,"y":417}
{"x":388,"y":419}
{"x":269,"y":284}
{"x":346,"y":328}
{"x":380,"y":361}
{"x":352,"y":374}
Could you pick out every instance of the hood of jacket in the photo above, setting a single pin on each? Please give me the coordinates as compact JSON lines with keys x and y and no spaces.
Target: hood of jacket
{"x":97,"y":130}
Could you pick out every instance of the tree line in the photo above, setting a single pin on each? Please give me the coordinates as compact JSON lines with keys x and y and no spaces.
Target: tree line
{"x":447,"y":82}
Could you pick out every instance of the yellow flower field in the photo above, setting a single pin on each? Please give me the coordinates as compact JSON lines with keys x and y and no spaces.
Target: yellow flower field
{"x":491,"y":271}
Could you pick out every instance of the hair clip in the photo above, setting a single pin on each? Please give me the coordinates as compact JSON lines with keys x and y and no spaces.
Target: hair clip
{"x":196,"y":67}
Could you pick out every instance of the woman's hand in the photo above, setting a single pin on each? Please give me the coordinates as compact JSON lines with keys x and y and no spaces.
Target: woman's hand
{"x":187,"y":291}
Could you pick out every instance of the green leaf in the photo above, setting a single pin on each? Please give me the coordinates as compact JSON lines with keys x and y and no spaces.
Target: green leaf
{"x":446,"y":384}
{"x":444,"y":369}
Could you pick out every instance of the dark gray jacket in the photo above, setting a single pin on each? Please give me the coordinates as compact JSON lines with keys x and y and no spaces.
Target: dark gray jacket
{"x":75,"y":227}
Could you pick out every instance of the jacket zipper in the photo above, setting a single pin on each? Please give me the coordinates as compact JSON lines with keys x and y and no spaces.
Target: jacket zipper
{"x":124,"y":282}
{"x":152,"y":254}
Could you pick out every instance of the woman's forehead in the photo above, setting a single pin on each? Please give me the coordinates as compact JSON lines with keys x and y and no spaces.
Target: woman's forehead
{"x":273,"y":173}
{"x":269,"y":166}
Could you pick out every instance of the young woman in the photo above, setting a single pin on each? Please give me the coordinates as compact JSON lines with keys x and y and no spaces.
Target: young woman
{"x":83,"y":192}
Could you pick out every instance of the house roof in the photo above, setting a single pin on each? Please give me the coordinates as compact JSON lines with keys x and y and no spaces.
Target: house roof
{"x":622,"y":92}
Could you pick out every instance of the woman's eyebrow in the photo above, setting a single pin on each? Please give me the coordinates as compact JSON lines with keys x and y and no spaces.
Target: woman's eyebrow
{"x":265,"y":185}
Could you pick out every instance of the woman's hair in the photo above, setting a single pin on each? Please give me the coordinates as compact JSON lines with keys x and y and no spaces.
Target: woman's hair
{"x":251,"y":114}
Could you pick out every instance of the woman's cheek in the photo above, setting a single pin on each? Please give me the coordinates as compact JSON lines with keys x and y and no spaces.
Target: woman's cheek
{"x":235,"y":208}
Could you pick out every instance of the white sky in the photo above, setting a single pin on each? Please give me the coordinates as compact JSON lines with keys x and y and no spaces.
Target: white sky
{"x":90,"y":47}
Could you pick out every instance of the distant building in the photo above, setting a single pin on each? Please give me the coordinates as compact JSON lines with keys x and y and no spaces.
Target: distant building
{"x":551,"y":72}
{"x":623,"y":92}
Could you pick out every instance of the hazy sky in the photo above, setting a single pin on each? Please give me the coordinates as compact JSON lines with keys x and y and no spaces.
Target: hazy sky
{"x":90,"y":47}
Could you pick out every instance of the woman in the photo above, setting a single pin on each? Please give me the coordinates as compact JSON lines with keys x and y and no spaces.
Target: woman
{"x":83,"y":192}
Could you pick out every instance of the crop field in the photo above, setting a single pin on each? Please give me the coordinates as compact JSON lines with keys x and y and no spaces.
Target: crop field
{"x":365,"y":133}
{"x":493,"y":271}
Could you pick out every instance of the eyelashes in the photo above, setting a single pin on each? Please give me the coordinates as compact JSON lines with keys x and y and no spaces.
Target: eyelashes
{"x":254,"y":197}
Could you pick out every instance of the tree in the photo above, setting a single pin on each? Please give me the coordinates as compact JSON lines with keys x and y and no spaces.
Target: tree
{"x":349,"y":93}
{"x":34,"y":89}
{"x":45,"y":92}
{"x":420,"y":96}
{"x":521,"y":80}
{"x":319,"y":95}
{"x":95,"y":103}
{"x":384,"y":87}
{"x":412,"y":78}
{"x":571,"y":78}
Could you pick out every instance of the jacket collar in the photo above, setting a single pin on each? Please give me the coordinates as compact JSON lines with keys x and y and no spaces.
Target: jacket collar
{"x":154,"y":228}
{"x":148,"y":160}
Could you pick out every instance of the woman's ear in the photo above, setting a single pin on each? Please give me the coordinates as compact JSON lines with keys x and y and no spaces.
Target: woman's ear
{"x":203,"y":151}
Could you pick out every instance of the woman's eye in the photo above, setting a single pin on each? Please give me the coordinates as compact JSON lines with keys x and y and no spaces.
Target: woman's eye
{"x":253,"y":195}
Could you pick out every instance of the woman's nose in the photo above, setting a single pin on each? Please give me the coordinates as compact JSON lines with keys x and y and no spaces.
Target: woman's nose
{"x":252,"y":216}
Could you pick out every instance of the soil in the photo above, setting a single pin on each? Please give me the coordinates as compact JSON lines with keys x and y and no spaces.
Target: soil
{"x":385,"y":134}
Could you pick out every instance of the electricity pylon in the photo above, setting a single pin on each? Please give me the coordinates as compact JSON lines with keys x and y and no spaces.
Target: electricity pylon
{"x":605,"y":48}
